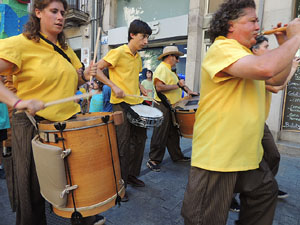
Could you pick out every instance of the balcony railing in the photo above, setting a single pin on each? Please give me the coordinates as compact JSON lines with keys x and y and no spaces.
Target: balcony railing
{"x":78,"y":13}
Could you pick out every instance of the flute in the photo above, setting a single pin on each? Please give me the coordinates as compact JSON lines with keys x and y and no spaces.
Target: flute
{"x":280,"y":29}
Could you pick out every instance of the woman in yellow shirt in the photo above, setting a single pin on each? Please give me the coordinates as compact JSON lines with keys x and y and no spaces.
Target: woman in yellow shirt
{"x":44,"y":72}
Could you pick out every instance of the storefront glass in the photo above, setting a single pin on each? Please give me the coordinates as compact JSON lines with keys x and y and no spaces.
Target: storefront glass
{"x":149,"y":58}
{"x":146,"y":10}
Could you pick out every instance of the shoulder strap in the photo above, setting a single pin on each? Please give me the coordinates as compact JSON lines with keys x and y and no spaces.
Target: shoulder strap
{"x":56,"y":48}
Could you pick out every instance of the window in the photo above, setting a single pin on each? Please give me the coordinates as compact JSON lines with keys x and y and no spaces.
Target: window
{"x":80,"y":5}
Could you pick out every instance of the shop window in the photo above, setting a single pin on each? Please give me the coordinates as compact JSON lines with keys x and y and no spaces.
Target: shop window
{"x":298,"y":8}
{"x":80,"y":5}
{"x":149,"y":58}
{"x":291,"y":106}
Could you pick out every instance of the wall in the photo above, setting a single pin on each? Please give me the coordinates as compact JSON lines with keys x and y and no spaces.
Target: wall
{"x":276,"y":11}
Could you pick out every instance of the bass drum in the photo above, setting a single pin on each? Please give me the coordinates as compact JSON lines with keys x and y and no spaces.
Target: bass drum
{"x":93,"y":163}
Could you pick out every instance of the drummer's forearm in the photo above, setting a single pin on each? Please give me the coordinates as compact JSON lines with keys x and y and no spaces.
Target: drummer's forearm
{"x":164,"y":87}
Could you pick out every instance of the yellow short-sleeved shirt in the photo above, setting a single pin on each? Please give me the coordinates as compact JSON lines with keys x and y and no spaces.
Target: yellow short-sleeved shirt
{"x":268,"y":102}
{"x":42,"y":73}
{"x":164,"y":73}
{"x":230,"y":119}
{"x":124,"y":72}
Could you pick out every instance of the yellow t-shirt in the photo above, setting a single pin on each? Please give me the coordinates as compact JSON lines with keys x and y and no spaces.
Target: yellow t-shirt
{"x":230,"y":118}
{"x":124,"y":72}
{"x":42,"y":73}
{"x":164,"y":73}
{"x":268,"y":102}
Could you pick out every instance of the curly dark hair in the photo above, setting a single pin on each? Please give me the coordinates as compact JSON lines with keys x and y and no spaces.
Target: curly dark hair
{"x":32,"y":27}
{"x":228,"y":11}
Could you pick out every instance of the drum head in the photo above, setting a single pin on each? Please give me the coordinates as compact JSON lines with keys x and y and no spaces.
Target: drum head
{"x":147,"y":111}
{"x":188,"y":103}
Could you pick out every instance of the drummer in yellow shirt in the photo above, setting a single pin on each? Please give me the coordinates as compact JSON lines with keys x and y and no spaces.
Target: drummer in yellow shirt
{"x":227,"y":150}
{"x":168,"y":90}
{"x":124,"y":64}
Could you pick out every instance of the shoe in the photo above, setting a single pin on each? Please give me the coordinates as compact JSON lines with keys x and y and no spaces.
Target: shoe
{"x":152,"y":166}
{"x":234,"y":206}
{"x":135,"y":182}
{"x":125,"y":198}
{"x":184,"y":159}
{"x":282,"y":194}
{"x":99,"y":220}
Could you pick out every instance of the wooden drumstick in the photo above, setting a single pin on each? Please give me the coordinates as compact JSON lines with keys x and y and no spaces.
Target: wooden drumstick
{"x":144,"y":97}
{"x":280,"y":29}
{"x":69,"y":99}
{"x":96,"y":49}
{"x":63,"y":100}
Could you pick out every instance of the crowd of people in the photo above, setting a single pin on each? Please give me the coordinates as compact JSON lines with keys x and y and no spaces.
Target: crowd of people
{"x":233,"y":150}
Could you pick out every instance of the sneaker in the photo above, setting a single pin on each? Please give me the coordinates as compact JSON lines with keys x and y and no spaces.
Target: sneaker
{"x":234,"y":206}
{"x":135,"y":182}
{"x":152,"y":166}
{"x":282,"y":194}
{"x":99,"y":220}
{"x":184,"y":159}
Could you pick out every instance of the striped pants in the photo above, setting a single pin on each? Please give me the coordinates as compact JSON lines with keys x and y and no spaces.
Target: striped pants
{"x":30,"y":203}
{"x":208,"y":196}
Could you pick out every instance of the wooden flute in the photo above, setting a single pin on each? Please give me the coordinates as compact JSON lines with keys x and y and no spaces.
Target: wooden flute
{"x":280,"y":29}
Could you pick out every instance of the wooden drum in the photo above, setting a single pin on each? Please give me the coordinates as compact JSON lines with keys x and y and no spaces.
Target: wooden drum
{"x":90,"y":162}
{"x":185,"y":115}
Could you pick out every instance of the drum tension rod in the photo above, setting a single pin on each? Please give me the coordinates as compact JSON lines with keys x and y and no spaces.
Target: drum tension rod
{"x":60,"y":127}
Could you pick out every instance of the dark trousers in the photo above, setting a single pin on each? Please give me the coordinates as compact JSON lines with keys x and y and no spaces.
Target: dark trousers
{"x":131,"y":144}
{"x":166,"y":135}
{"x":30,"y":203}
{"x":271,"y":153}
{"x":208,"y":196}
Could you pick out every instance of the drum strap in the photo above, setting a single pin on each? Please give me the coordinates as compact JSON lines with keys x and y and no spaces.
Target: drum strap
{"x":128,"y":109}
{"x":76,"y":217}
{"x":166,"y":103}
{"x":105,"y":119}
{"x":56,"y":48}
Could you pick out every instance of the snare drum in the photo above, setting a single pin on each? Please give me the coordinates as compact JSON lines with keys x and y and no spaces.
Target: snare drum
{"x":185,"y":115}
{"x":148,"y":116}
{"x":93,"y":163}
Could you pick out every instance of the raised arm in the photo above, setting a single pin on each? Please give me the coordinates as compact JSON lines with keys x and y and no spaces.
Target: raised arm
{"x":276,"y":89}
{"x":266,"y":66}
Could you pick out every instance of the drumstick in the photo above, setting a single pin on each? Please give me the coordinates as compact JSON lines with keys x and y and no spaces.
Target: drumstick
{"x":63,"y":100}
{"x":96,"y":49}
{"x":144,"y":97}
{"x":97,"y":43}
{"x":280,"y":29}
{"x":69,"y":99}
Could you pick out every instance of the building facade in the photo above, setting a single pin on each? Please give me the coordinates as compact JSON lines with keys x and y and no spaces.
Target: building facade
{"x":180,"y":22}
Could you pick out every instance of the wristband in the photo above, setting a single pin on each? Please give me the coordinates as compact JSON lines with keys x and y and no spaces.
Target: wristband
{"x":17,"y":102}
{"x":82,"y":77}
{"x":182,"y":87}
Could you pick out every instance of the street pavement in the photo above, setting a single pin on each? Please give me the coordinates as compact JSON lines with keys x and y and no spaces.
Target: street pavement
{"x":159,"y":203}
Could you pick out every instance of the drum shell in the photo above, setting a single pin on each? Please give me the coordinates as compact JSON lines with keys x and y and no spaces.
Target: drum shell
{"x":186,"y":120}
{"x":90,"y":163}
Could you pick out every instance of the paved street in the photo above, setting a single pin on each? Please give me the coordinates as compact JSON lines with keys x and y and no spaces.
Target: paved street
{"x":159,"y":203}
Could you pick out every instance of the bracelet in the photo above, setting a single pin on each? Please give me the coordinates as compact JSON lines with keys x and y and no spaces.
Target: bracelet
{"x":82,"y":76}
{"x":182,"y":87}
{"x":17,"y":102}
